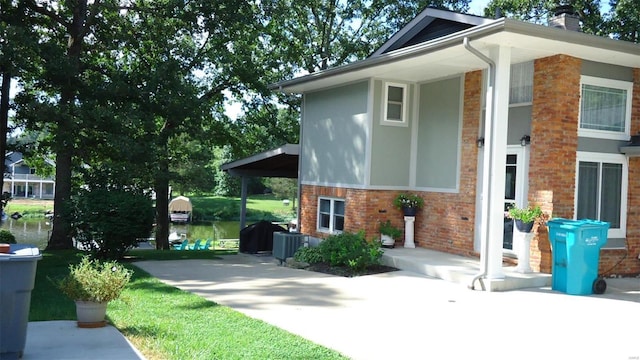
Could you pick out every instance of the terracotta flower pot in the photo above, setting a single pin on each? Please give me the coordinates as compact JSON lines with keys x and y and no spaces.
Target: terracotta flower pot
{"x":5,"y":248}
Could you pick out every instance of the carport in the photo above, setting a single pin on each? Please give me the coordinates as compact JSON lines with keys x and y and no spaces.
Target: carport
{"x":279,"y":162}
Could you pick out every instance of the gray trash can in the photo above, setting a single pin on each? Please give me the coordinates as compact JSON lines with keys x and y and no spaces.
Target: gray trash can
{"x":17,"y":278}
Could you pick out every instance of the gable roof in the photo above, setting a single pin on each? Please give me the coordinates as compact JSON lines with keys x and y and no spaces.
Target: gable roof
{"x":428,"y":25}
{"x":446,"y":56}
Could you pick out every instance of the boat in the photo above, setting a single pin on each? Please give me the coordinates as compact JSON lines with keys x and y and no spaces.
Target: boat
{"x":180,"y":209}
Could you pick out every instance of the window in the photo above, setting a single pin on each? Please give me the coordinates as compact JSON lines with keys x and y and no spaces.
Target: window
{"x":521,"y":83}
{"x":605,"y":108}
{"x":395,"y":104}
{"x":601,"y":190}
{"x":331,"y":215}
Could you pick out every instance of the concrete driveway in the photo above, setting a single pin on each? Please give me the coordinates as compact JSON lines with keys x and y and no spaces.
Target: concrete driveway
{"x":403,"y":315}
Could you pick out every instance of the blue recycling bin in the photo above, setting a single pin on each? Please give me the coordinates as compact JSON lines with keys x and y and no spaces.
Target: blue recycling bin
{"x":575,"y":246}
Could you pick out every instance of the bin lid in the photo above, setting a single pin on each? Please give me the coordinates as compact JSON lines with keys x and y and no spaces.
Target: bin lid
{"x":577,"y":223}
{"x":21,"y":252}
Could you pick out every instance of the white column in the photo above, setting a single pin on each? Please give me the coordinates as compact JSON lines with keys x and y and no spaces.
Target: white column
{"x":497,"y":161}
{"x":409,"y":222}
{"x":521,"y":245}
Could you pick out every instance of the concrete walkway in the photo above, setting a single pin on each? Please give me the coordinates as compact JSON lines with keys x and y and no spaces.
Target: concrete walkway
{"x":63,"y":340}
{"x":404,"y":315}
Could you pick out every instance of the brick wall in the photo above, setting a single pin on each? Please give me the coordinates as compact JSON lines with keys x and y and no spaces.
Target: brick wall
{"x":554,"y":142}
{"x":625,"y":262}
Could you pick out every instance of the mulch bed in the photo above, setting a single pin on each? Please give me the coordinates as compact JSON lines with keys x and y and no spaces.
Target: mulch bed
{"x":347,"y":272}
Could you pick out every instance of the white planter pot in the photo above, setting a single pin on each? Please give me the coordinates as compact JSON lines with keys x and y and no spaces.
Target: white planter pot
{"x":387,"y":240}
{"x":91,"y":314}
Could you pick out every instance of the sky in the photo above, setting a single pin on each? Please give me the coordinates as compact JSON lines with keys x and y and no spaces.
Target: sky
{"x":476,"y":7}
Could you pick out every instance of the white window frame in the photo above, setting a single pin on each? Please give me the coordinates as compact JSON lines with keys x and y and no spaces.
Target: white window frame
{"x":613,"y":84}
{"x":331,"y":229}
{"x":385,"y":103}
{"x":624,"y":186}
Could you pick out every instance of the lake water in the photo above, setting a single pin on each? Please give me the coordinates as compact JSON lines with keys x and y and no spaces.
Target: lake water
{"x":37,"y":231}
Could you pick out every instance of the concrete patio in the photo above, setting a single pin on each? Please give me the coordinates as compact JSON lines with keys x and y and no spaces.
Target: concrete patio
{"x":459,"y":269}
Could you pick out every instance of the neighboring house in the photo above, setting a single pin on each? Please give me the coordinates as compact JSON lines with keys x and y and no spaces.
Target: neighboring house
{"x":471,"y":114}
{"x":21,"y":181}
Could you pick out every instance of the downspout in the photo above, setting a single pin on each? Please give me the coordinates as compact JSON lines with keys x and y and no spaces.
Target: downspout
{"x":298,"y":219}
{"x":488,"y":130}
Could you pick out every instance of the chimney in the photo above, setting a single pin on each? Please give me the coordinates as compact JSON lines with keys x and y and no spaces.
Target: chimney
{"x":565,"y":17}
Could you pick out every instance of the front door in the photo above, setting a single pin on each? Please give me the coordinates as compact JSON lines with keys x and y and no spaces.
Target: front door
{"x":515,"y":189}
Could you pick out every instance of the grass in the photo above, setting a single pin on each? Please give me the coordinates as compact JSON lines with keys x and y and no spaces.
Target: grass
{"x":205,"y":207}
{"x":164,"y":322}
{"x":259,"y":207}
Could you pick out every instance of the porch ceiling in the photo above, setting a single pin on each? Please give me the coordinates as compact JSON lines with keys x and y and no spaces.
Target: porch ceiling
{"x":278,"y":162}
{"x":446,"y":56}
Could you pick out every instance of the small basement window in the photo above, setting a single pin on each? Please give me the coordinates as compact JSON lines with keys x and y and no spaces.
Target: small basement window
{"x":331,"y":215}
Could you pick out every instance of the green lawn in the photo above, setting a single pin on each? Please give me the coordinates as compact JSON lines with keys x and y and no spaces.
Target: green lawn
{"x":205,"y":207}
{"x":164,"y":322}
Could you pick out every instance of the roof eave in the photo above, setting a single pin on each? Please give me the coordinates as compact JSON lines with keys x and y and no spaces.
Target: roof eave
{"x":477,"y":32}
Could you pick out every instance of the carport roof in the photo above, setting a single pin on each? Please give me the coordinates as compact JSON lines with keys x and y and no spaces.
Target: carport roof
{"x":278,"y":162}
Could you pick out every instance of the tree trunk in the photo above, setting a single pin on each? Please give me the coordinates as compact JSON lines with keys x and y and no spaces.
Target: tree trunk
{"x":64,"y":144}
{"x":162,"y":206}
{"x":61,"y":233}
{"x":4,"y":120}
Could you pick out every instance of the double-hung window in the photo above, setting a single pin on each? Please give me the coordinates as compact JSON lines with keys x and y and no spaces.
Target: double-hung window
{"x":395,"y":104}
{"x":521,"y":83}
{"x":601,"y":190}
{"x":605,"y":108}
{"x":331,"y":215}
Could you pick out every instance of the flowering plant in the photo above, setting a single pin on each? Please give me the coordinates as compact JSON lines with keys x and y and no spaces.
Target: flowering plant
{"x":406,"y":200}
{"x":93,"y":280}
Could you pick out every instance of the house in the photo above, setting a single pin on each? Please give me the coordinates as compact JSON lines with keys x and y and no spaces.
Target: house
{"x":475,"y":115}
{"x":21,"y":181}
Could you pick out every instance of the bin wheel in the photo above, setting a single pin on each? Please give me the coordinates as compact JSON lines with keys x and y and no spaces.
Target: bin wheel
{"x":599,"y":286}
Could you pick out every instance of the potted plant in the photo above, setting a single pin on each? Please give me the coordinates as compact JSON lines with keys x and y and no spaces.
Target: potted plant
{"x":526,"y":217}
{"x":388,"y":234}
{"x":408,"y":203}
{"x":92,"y":284}
{"x":6,"y":239}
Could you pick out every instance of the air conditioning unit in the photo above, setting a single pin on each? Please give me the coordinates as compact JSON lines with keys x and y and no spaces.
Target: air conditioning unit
{"x":285,"y":244}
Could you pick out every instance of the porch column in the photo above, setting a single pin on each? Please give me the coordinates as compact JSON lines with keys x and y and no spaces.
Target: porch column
{"x":243,"y":203}
{"x":495,"y":161}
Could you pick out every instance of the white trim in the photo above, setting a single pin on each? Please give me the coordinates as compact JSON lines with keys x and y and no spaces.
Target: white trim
{"x":332,"y":226}
{"x":370,"y":120}
{"x":624,"y":187}
{"x":385,"y":101}
{"x":460,"y":126}
{"x":613,"y":84}
{"x":413,"y":146}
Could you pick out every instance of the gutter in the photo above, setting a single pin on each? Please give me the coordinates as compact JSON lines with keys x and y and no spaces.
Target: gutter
{"x":488,"y":130}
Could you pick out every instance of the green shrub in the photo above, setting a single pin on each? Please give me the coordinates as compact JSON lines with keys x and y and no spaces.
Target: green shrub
{"x":93,"y":280}
{"x":7,"y":237}
{"x":352,"y":250}
{"x":308,"y":254}
{"x":108,"y":222}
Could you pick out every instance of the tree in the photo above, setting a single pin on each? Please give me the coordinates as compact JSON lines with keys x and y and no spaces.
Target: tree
{"x":624,"y":20}
{"x":621,"y":22}
{"x":17,"y":41}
